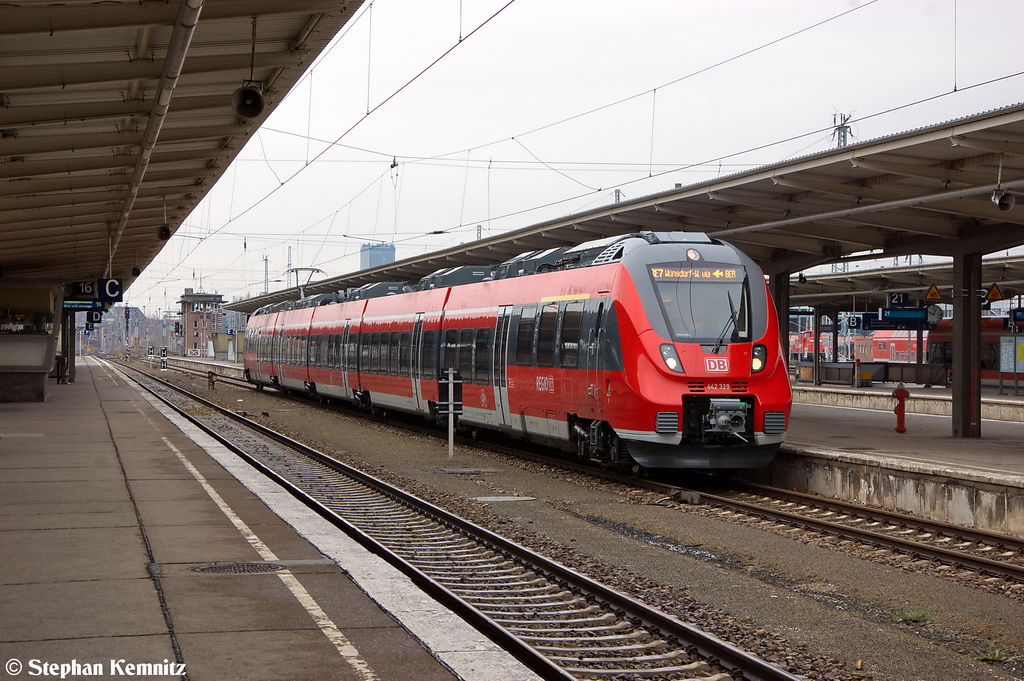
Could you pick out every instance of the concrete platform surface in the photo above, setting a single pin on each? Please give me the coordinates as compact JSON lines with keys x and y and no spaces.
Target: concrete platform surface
{"x":129,"y":549}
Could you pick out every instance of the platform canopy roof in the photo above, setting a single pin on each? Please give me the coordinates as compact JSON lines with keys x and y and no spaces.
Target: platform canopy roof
{"x":926,"y":191}
{"x":868,"y":289}
{"x":116,"y":118}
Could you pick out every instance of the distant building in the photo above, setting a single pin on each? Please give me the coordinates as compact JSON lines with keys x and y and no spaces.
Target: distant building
{"x":201,"y":317}
{"x":375,"y":255}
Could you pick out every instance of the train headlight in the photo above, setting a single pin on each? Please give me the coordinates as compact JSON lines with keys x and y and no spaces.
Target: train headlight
{"x":668,"y":354}
{"x":758,"y":358}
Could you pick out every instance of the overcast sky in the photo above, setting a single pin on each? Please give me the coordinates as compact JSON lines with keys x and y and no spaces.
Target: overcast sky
{"x":546,"y":107}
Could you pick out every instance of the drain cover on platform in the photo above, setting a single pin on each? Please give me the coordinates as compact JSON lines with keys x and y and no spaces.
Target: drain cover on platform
{"x":238,"y":568}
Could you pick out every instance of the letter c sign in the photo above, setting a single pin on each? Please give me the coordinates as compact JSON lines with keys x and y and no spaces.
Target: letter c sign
{"x":110,"y":290}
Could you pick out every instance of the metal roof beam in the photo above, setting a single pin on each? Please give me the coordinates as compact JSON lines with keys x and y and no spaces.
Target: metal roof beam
{"x":994,"y":145}
{"x":40,"y":115}
{"x":65,"y":186}
{"x":33,"y":77}
{"x":22,"y":169}
{"x":74,"y":143}
{"x":941,"y":173}
{"x":68,"y":18}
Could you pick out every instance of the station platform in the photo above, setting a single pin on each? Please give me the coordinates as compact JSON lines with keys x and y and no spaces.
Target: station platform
{"x":133,"y":545}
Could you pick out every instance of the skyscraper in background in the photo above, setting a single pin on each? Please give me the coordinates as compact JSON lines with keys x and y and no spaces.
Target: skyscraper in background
{"x":375,"y":255}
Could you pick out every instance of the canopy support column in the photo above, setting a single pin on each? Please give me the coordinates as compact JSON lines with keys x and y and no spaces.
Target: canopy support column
{"x":967,"y":345}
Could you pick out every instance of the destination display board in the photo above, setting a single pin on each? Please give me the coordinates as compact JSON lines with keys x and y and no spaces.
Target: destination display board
{"x":670,"y":273}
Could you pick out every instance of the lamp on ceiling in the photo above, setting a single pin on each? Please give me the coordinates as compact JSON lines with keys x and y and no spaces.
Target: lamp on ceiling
{"x":247,"y":101}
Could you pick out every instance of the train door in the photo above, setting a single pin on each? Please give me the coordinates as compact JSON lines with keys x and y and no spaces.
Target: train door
{"x":417,"y":364}
{"x":275,"y":356}
{"x":499,"y":376}
{"x":341,"y":359}
{"x":595,"y":337}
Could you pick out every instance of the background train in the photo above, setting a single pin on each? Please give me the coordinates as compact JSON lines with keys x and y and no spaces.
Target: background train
{"x":654,"y":350}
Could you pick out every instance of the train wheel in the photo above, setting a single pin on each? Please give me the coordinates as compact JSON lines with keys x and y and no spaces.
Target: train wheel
{"x":637,"y":471}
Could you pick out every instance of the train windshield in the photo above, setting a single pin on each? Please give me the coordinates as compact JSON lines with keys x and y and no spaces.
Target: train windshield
{"x":706,"y":303}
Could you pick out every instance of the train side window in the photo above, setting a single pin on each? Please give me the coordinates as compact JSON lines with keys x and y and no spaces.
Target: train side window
{"x":403,"y":354}
{"x":394,"y":349}
{"x":380,"y":349}
{"x":428,"y":356}
{"x":524,"y":336}
{"x":546,"y":336}
{"x":569,"y":340}
{"x":451,"y":349}
{"x":482,"y":357}
{"x":367,"y":344}
{"x":465,"y":359}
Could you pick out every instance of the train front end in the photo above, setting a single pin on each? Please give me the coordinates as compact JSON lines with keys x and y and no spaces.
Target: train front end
{"x":710,"y":388}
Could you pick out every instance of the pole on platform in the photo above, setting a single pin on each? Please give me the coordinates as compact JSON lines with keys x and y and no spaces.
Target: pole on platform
{"x":451,"y":412}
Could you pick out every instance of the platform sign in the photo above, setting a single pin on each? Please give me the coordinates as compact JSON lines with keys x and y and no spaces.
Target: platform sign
{"x":94,"y":316}
{"x":898,"y":299}
{"x":994,"y":294}
{"x":1011,"y":354}
{"x":110,"y":290}
{"x":83,"y":290}
{"x":904,"y":314}
{"x":83,"y":305}
{"x":871,"y":322}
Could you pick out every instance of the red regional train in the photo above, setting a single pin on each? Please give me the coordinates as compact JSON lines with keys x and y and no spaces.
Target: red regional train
{"x":940,"y":346}
{"x":651,"y":350}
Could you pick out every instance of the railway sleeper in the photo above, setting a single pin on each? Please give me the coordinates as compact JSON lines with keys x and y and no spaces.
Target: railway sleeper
{"x":656,"y":643}
{"x":544,"y":588}
{"x":465,"y":583}
{"x":507,"y":567}
{"x":526,"y":615}
{"x":640,"y":659}
{"x":666,"y":671}
{"x":558,"y":597}
{"x":559,"y":635}
{"x":468,"y":563}
{"x":540,"y":606}
{"x":425,"y":552}
{"x":607,"y":617}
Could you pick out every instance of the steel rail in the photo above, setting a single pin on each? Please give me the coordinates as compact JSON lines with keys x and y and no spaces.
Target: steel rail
{"x":956,"y":559}
{"x":707,"y":645}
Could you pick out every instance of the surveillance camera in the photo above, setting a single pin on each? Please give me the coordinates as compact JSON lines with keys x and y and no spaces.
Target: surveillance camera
{"x":1003,"y":199}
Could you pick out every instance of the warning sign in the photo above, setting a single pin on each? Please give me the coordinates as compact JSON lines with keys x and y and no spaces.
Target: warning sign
{"x":994,"y":293}
{"x":933,"y":294}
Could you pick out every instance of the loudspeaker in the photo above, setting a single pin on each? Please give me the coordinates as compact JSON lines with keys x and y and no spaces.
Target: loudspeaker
{"x":164,"y":232}
{"x":247,"y":101}
{"x":136,"y":271}
{"x":1004,"y":200}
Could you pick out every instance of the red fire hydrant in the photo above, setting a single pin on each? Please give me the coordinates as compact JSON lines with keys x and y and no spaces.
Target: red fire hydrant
{"x":901,"y":394}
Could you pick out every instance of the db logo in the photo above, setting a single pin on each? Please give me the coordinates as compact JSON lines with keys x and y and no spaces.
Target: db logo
{"x":716,"y":364}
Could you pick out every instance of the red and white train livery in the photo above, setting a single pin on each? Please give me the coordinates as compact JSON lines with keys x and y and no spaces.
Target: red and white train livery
{"x":658,"y":349}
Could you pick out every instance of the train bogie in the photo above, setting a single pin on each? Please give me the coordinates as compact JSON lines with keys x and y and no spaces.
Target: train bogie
{"x":658,"y":349}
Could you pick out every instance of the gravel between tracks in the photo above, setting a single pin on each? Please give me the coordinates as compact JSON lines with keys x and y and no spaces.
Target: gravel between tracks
{"x":792,"y":599}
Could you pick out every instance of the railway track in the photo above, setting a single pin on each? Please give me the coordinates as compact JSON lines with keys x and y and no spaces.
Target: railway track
{"x":988,"y":554}
{"x":557,"y":621}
